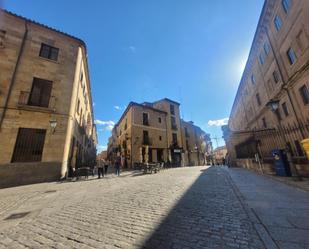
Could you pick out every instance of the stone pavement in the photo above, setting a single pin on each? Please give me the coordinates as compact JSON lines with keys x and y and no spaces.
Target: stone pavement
{"x":282,"y":210}
{"x":194,"y":207}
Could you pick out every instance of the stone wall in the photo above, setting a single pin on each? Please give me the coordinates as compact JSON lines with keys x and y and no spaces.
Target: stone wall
{"x":27,"y":173}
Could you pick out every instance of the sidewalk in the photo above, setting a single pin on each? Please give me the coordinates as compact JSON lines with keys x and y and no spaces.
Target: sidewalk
{"x":303,"y":185}
{"x":281,"y":209}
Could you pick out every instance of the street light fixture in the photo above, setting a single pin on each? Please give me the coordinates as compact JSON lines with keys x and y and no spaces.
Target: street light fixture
{"x":273,"y":105}
{"x":53,"y":124}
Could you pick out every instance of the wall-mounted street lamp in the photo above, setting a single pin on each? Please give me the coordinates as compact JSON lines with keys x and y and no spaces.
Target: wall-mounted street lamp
{"x":273,"y":105}
{"x":53,"y":124}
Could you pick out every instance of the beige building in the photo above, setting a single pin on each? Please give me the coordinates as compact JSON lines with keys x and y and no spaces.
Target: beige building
{"x":197,"y":146}
{"x":271,"y":107}
{"x":46,"y":113}
{"x":219,"y":154}
{"x":152,"y":132}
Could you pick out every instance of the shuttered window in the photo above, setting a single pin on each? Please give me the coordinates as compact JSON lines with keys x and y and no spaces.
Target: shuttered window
{"x":40,"y":92}
{"x":29,"y":145}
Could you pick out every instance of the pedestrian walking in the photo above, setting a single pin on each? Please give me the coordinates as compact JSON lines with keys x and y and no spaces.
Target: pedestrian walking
{"x":106,"y":166}
{"x":117,"y":164}
{"x":100,"y":164}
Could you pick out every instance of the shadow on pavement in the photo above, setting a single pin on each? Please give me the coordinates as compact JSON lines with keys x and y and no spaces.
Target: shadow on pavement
{"x":208,"y":215}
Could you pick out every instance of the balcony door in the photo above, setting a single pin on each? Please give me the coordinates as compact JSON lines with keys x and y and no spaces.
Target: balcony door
{"x":40,"y":92}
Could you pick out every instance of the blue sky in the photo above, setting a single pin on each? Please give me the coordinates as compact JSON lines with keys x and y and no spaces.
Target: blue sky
{"x":192,"y":51}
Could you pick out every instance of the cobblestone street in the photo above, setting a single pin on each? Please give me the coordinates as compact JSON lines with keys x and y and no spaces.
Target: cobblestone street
{"x":196,"y":207}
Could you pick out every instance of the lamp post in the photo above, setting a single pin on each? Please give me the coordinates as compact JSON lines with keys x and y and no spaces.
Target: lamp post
{"x":273,"y":105}
{"x":53,"y":124}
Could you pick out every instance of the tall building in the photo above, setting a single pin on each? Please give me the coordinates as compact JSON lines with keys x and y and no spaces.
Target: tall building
{"x":153,"y":132}
{"x":46,"y":115}
{"x":271,"y":107}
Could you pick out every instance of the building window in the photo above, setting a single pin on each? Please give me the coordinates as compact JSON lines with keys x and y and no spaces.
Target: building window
{"x":174,"y":138}
{"x":304,"y":94}
{"x":291,"y":55}
{"x":40,"y":92}
{"x":253,"y":79}
{"x":276,"y":76}
{"x":285,"y":109}
{"x":145,"y":119}
{"x":286,"y":5}
{"x":187,"y":144}
{"x":264,"y":123}
{"x":78,"y":105}
{"x":173,"y":123}
{"x":2,"y":37}
{"x":29,"y":145}
{"x":262,"y":58}
{"x":159,"y":120}
{"x":126,"y":125}
{"x":81,"y":76}
{"x":146,"y":138}
{"x":278,"y":23}
{"x":172,"y":109}
{"x":258,"y":100}
{"x":160,"y":138}
{"x":49,"y":52}
{"x":266,"y":48}
{"x":81,"y":117}
{"x":186,"y":132}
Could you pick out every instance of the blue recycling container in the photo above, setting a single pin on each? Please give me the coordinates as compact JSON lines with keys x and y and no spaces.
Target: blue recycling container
{"x":281,"y":163}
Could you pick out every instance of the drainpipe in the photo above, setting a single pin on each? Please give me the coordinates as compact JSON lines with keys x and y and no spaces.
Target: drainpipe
{"x":14,"y":74}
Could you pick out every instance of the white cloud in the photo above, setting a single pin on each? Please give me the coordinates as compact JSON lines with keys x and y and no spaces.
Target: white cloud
{"x":218,"y":122}
{"x":117,"y":107}
{"x":101,"y":122}
{"x":107,"y":125}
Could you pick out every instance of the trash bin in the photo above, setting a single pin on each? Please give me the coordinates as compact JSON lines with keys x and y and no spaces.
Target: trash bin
{"x":281,"y":163}
{"x":305,"y":144}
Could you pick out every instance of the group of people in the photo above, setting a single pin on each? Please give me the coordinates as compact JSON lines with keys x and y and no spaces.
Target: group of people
{"x":103,"y":164}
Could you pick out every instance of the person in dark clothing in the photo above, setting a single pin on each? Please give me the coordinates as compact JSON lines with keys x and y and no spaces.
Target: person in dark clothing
{"x":117,"y":164}
{"x":106,"y":167}
{"x":100,"y":168}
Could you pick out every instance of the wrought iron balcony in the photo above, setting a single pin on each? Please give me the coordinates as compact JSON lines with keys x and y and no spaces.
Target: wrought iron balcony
{"x":24,"y":102}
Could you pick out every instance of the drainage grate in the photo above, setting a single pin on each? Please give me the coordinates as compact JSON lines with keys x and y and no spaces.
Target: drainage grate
{"x":17,"y":216}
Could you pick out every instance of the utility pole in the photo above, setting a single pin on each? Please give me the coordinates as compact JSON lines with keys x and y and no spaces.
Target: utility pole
{"x":216,"y":138}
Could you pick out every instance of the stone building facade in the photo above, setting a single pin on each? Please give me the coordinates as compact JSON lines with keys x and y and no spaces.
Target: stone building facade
{"x":271,"y":107}
{"x":46,"y":114}
{"x":196,"y":143}
{"x":153,"y":132}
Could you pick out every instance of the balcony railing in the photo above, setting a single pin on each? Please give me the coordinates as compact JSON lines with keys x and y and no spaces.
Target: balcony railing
{"x":23,"y":101}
